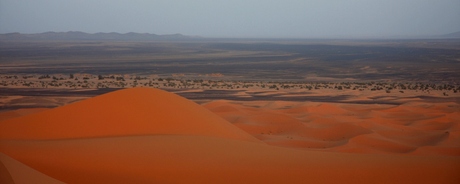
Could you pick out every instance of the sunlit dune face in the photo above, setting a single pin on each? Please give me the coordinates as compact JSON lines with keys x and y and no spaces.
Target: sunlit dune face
{"x":138,"y":111}
{"x":412,"y":128}
{"x":145,"y":135}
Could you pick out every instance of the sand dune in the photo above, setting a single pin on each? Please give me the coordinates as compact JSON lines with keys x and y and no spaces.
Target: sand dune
{"x":150,"y":136}
{"x":196,"y":159}
{"x":18,"y":113}
{"x":137,"y":111}
{"x":414,"y":127}
{"x":13,"y":171}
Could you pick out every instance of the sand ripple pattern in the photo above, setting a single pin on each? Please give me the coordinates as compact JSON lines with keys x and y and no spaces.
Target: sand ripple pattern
{"x":412,"y":128}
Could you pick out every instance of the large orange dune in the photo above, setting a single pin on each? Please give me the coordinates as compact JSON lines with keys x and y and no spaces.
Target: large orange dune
{"x":139,"y":111}
{"x":146,"y":135}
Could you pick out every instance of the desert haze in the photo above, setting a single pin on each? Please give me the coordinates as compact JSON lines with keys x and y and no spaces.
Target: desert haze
{"x":175,"y":109}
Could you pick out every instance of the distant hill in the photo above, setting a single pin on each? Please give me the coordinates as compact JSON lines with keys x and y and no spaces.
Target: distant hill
{"x":76,"y":35}
{"x":452,"y":35}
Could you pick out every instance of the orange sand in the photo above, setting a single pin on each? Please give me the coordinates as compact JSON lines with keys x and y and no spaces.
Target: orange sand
{"x":19,"y":113}
{"x":414,"y":128}
{"x":142,"y":111}
{"x":13,"y":171}
{"x":150,"y":136}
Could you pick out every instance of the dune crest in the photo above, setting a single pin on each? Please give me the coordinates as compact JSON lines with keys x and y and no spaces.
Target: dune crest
{"x":136,"y":111}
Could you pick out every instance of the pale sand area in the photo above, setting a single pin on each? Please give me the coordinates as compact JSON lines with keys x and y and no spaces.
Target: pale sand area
{"x":145,"y":135}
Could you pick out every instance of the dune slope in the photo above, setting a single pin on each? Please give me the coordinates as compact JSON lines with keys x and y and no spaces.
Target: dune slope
{"x":18,"y":113}
{"x":13,"y":171}
{"x":136,"y":111}
{"x":196,"y":159}
{"x":150,"y":136}
{"x":412,"y":128}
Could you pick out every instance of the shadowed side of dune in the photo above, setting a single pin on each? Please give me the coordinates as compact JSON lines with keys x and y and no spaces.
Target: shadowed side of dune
{"x":13,"y":171}
{"x":5,"y":176}
{"x":136,"y":111}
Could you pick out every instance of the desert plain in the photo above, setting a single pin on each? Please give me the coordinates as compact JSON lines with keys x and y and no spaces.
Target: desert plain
{"x":230,"y":111}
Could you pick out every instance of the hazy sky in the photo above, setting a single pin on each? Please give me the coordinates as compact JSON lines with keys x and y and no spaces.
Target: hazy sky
{"x":235,"y":18}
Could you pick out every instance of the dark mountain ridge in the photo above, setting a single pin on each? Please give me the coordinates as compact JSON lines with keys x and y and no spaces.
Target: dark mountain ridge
{"x":77,"y":35}
{"x":452,"y":35}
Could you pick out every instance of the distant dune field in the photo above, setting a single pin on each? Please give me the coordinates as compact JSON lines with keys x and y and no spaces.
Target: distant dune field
{"x":145,"y":135}
{"x":412,"y":128}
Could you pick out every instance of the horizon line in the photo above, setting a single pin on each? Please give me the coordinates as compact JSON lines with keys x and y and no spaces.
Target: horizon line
{"x":343,"y":37}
